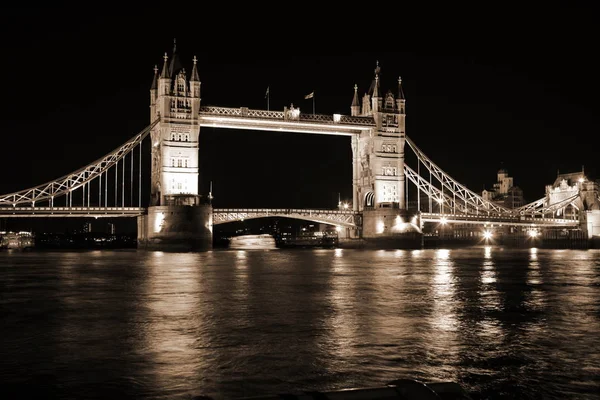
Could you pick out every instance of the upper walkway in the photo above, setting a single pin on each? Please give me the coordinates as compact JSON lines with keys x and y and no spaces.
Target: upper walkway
{"x":289,"y":120}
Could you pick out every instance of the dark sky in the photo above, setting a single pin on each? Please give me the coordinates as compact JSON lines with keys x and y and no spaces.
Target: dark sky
{"x":486,"y":88}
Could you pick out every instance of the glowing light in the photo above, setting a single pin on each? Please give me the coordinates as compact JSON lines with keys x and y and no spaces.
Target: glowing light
{"x":440,"y":200}
{"x":380,"y":227}
{"x":533,"y":233}
{"x":487,"y":234}
{"x":443,"y":221}
{"x":158,"y":222}
{"x":338,"y":228}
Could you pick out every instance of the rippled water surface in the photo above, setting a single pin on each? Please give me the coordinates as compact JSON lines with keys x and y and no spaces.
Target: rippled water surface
{"x":521,"y":324}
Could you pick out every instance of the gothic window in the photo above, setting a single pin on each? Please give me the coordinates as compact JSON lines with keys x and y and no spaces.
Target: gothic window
{"x":179,"y":162}
{"x":389,"y":100}
{"x":186,"y":137}
{"x":172,"y":162}
{"x":369,"y":199}
{"x":394,"y":150}
{"x":172,"y":136}
{"x":185,"y":163}
{"x":180,"y":85}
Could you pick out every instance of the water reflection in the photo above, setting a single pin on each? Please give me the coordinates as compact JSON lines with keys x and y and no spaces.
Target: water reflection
{"x":232,"y":323}
{"x":172,"y":337}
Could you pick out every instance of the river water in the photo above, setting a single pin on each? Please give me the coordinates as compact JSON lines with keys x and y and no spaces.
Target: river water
{"x":503,"y":323}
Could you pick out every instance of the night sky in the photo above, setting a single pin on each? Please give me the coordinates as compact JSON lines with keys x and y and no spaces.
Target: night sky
{"x":485,"y":88}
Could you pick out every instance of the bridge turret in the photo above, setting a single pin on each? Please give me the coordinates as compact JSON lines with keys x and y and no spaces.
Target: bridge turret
{"x":355,"y":107}
{"x":195,"y":88}
{"x":154,"y":94}
{"x":400,"y":100}
{"x":376,"y":99}
{"x":164,"y":88}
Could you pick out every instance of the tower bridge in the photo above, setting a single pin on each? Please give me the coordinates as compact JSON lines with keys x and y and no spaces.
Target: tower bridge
{"x":391,"y":200}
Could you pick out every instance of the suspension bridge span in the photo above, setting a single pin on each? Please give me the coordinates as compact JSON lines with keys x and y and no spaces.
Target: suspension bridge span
{"x":392,"y":201}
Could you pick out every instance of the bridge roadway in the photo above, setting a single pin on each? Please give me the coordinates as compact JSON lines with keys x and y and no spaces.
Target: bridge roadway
{"x":346,"y":218}
{"x":43,"y":212}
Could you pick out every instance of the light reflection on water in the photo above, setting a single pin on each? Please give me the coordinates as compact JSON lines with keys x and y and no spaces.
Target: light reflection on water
{"x":241,"y":322}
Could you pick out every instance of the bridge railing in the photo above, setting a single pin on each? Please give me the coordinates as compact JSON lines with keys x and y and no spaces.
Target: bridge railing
{"x":244,"y":112}
{"x":285,"y":211}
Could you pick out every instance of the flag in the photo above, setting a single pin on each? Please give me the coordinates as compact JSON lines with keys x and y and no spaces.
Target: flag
{"x":310,"y":95}
{"x":267,"y":93}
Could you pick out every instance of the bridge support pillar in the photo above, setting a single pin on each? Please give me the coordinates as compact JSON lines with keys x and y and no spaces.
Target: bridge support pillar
{"x":176,"y":228}
{"x":391,"y":228}
{"x":592,"y":226}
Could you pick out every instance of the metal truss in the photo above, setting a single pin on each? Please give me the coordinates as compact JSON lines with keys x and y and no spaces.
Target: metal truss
{"x":333,"y":217}
{"x":541,"y":207}
{"x":470,"y":200}
{"x":429,"y":189}
{"x":74,"y":180}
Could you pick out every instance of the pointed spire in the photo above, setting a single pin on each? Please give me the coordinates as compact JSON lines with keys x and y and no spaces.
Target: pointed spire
{"x":155,"y":79}
{"x":355,"y":98}
{"x":165,"y":70}
{"x":175,"y":65}
{"x":375,"y":85}
{"x":195,"y":77}
{"x":400,"y":91}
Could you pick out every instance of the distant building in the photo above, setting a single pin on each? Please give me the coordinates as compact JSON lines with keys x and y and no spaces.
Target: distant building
{"x":504,"y":192}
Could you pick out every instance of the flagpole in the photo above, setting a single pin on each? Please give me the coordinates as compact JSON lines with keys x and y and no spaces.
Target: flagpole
{"x":268,"y":95}
{"x":313,"y":102}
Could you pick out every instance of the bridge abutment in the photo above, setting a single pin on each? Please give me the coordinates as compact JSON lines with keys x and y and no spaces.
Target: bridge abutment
{"x":176,"y":228}
{"x":391,"y":228}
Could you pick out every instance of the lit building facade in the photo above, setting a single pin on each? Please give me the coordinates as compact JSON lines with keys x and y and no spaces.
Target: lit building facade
{"x":379,"y":153}
{"x":176,"y":101}
{"x":504,"y":192}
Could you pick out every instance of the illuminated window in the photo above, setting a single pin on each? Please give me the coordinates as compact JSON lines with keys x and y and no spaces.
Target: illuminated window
{"x":180,"y":84}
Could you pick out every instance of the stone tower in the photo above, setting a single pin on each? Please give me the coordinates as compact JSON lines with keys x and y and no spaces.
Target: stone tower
{"x":176,"y":219}
{"x":380,"y":181}
{"x":378,"y":170}
{"x":176,"y":101}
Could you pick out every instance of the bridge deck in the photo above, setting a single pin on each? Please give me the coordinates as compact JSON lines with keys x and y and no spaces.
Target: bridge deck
{"x":24,"y":212}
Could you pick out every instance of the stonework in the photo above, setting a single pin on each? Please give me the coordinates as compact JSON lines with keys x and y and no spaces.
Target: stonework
{"x":378,"y":154}
{"x":176,"y":219}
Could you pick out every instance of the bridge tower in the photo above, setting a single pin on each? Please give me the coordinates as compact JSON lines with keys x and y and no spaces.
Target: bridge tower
{"x":176,"y":217}
{"x":378,"y":166}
